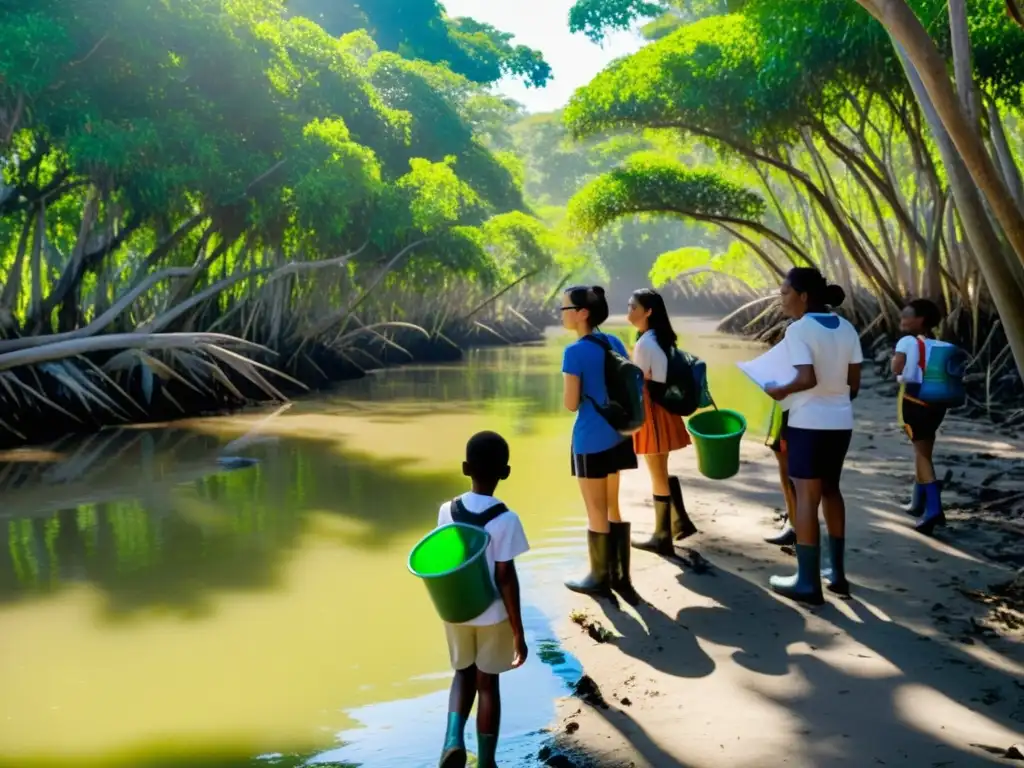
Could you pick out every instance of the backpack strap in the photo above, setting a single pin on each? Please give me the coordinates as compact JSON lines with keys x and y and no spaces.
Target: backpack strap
{"x":922,"y":353}
{"x":599,"y":340}
{"x":462,"y":515}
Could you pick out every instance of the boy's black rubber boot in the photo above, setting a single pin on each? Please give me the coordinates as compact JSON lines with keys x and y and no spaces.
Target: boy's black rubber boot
{"x":621,"y":581}
{"x":597,"y":582}
{"x":661,"y":542}
{"x":682,"y":525}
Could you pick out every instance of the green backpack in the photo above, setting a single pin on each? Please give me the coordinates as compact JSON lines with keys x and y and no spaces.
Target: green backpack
{"x":624,"y":381}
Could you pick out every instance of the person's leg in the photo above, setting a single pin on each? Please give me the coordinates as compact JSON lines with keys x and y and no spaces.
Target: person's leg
{"x":932,"y":512}
{"x":612,"y":495}
{"x":924,"y":468}
{"x":619,"y":546}
{"x":661,"y":541}
{"x":595,"y":498}
{"x":805,"y":448}
{"x":488,"y":719}
{"x":462,"y":651}
{"x":787,"y":536}
{"x":833,"y":508}
{"x":657,"y":467}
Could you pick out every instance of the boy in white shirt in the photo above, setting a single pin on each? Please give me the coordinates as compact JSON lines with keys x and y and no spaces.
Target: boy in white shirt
{"x":494,"y":642}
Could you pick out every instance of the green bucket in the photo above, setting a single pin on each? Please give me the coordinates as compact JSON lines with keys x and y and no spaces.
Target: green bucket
{"x":451,"y":562}
{"x":717,"y":435}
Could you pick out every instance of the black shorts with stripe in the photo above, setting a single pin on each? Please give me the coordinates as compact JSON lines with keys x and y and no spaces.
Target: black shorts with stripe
{"x":597,"y":465}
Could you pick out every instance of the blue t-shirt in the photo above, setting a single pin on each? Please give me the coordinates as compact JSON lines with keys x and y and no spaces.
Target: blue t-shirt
{"x":591,"y":433}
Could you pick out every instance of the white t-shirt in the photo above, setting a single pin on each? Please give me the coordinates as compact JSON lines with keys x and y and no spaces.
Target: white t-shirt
{"x":831,"y":345}
{"x":508,"y":541}
{"x":650,"y":358}
{"x":908,"y":346}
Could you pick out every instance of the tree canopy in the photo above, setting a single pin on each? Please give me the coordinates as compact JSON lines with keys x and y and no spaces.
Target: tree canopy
{"x":420,"y":29}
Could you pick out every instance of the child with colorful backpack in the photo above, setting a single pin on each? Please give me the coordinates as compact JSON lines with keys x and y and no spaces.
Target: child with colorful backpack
{"x":930,"y":373}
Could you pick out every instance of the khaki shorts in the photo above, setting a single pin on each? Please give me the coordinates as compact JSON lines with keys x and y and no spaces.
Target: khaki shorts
{"x":491,"y":648}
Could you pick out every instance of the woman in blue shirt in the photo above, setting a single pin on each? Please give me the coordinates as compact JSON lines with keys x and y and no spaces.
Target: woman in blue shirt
{"x":599,"y":452}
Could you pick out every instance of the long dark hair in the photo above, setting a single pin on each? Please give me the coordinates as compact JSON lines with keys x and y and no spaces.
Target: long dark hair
{"x":821,"y":295}
{"x":592,"y":299}
{"x":658,"y":320}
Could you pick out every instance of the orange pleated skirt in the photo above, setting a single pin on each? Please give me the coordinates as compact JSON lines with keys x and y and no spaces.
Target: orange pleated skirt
{"x":662,"y":432}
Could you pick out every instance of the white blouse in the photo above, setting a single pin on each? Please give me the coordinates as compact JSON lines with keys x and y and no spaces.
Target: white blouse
{"x":650,"y":358}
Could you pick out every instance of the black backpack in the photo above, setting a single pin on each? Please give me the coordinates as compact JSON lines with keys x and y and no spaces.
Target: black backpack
{"x":686,"y":386}
{"x":624,"y":381}
{"x":462,"y":515}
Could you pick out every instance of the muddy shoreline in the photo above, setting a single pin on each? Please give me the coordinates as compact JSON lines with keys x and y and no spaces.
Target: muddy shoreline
{"x":921,"y":667}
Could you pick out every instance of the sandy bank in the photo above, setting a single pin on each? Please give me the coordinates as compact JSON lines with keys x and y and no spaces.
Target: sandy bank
{"x":718,"y":671}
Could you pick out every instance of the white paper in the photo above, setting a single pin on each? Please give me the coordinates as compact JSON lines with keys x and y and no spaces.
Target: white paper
{"x":773,"y":367}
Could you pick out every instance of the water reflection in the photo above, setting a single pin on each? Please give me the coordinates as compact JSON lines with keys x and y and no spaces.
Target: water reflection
{"x":156,"y":610}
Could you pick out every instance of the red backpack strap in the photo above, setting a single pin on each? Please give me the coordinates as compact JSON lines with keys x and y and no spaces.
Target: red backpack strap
{"x":922,"y":352}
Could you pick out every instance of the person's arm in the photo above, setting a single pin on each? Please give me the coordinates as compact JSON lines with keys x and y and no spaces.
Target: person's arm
{"x":853,"y":379}
{"x":571,"y":387}
{"x":805,"y":379}
{"x":856,"y":365}
{"x":572,"y":378}
{"x":801,"y":357}
{"x":508,"y":586}
{"x":904,"y":348}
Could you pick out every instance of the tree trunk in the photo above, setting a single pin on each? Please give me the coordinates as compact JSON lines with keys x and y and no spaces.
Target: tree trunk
{"x":907,"y":31}
{"x":1011,"y":173}
{"x":996,"y":267}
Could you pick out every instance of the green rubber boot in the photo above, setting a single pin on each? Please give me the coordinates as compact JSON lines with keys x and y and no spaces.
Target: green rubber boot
{"x":619,"y":555}
{"x":486,"y":750}
{"x":682,"y":525}
{"x":835,"y":573}
{"x":661,"y":541}
{"x":453,"y":755}
{"x":805,"y":585}
{"x":597,"y":581}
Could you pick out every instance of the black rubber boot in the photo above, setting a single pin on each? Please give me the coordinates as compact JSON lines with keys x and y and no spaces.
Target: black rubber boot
{"x":835,"y":574}
{"x":619,"y":563}
{"x":596,"y":582}
{"x":682,"y":525}
{"x":785,"y":537}
{"x":805,"y":585}
{"x":661,"y":541}
{"x":933,"y":514}
{"x":916,"y":505}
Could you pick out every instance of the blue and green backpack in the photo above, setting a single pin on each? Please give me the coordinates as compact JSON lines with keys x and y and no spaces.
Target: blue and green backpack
{"x":942,"y":377}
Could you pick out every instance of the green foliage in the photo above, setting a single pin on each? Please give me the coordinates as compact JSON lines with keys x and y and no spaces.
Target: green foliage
{"x":700,"y":267}
{"x":419,"y":29}
{"x":650,"y":183}
{"x":230,"y":135}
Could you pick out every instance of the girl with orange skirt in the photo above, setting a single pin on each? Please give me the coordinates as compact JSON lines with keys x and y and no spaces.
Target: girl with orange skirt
{"x":662,"y":432}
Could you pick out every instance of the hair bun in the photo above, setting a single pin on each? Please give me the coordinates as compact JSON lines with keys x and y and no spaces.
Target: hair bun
{"x":834,"y":295}
{"x":598,"y":290}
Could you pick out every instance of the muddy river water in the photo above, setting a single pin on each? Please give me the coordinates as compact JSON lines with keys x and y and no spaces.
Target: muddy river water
{"x":157,"y":609}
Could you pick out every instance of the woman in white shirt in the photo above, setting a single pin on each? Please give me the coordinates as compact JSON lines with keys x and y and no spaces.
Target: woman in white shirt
{"x":920,"y":420}
{"x":825,"y":350}
{"x":662,"y":432}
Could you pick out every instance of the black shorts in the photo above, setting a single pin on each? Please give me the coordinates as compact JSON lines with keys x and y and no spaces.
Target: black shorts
{"x":922,"y":422}
{"x":597,"y":465}
{"x":817,"y":454}
{"x":779,"y":443}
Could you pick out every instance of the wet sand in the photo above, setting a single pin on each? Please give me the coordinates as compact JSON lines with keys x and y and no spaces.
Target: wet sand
{"x":923,"y":667}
